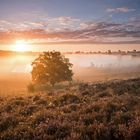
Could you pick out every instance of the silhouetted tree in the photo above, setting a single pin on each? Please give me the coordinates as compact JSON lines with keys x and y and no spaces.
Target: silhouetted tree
{"x":51,"y":67}
{"x":109,"y":52}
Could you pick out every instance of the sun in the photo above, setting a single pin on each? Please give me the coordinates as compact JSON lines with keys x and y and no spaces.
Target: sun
{"x":20,"y":46}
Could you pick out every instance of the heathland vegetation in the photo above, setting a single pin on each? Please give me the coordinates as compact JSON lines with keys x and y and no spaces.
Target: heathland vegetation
{"x":75,"y":111}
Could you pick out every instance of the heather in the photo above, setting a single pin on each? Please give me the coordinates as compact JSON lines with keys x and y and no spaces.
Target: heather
{"x":75,"y":111}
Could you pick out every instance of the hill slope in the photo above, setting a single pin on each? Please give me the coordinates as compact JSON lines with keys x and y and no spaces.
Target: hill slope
{"x":101,"y":111}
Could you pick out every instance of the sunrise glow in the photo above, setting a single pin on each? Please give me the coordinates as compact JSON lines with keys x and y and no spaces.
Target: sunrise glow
{"x":20,"y":46}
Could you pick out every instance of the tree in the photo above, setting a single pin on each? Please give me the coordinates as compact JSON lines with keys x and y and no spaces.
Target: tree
{"x":51,"y":67}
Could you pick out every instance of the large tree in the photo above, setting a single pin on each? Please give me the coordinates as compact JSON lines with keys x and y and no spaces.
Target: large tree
{"x":51,"y":67}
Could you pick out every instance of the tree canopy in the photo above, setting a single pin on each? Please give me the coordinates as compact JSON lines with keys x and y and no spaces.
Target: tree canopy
{"x":51,"y":67}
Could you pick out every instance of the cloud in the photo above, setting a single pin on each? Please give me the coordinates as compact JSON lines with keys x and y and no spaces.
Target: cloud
{"x":50,"y":24}
{"x":65,"y":20}
{"x":10,"y":25}
{"x":32,"y":25}
{"x":87,"y":32}
{"x":120,"y":10}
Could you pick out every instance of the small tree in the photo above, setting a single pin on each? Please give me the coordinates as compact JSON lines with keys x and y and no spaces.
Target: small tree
{"x":51,"y":67}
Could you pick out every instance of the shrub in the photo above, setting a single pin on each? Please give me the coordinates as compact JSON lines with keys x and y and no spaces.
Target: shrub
{"x":8,"y":121}
{"x":28,"y":110}
{"x":67,"y":99}
{"x":31,"y":88}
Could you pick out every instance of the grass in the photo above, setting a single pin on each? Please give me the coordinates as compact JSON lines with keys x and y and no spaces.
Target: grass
{"x":78,"y":111}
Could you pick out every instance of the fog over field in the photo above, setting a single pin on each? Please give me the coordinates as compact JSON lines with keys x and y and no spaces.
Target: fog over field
{"x":15,"y":69}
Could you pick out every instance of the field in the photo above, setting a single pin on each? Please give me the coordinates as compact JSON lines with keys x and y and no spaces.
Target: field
{"x":74,"y":111}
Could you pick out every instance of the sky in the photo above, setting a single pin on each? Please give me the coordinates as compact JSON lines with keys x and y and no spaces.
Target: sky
{"x":71,"y":24}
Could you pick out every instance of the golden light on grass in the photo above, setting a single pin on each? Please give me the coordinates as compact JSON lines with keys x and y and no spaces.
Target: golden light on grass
{"x":20,"y":46}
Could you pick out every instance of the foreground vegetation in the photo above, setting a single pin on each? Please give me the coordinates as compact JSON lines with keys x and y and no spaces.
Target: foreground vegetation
{"x":101,"y":111}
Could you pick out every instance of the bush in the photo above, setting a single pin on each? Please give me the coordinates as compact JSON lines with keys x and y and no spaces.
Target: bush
{"x":67,"y":99}
{"x":31,"y":88}
{"x":7,"y":122}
